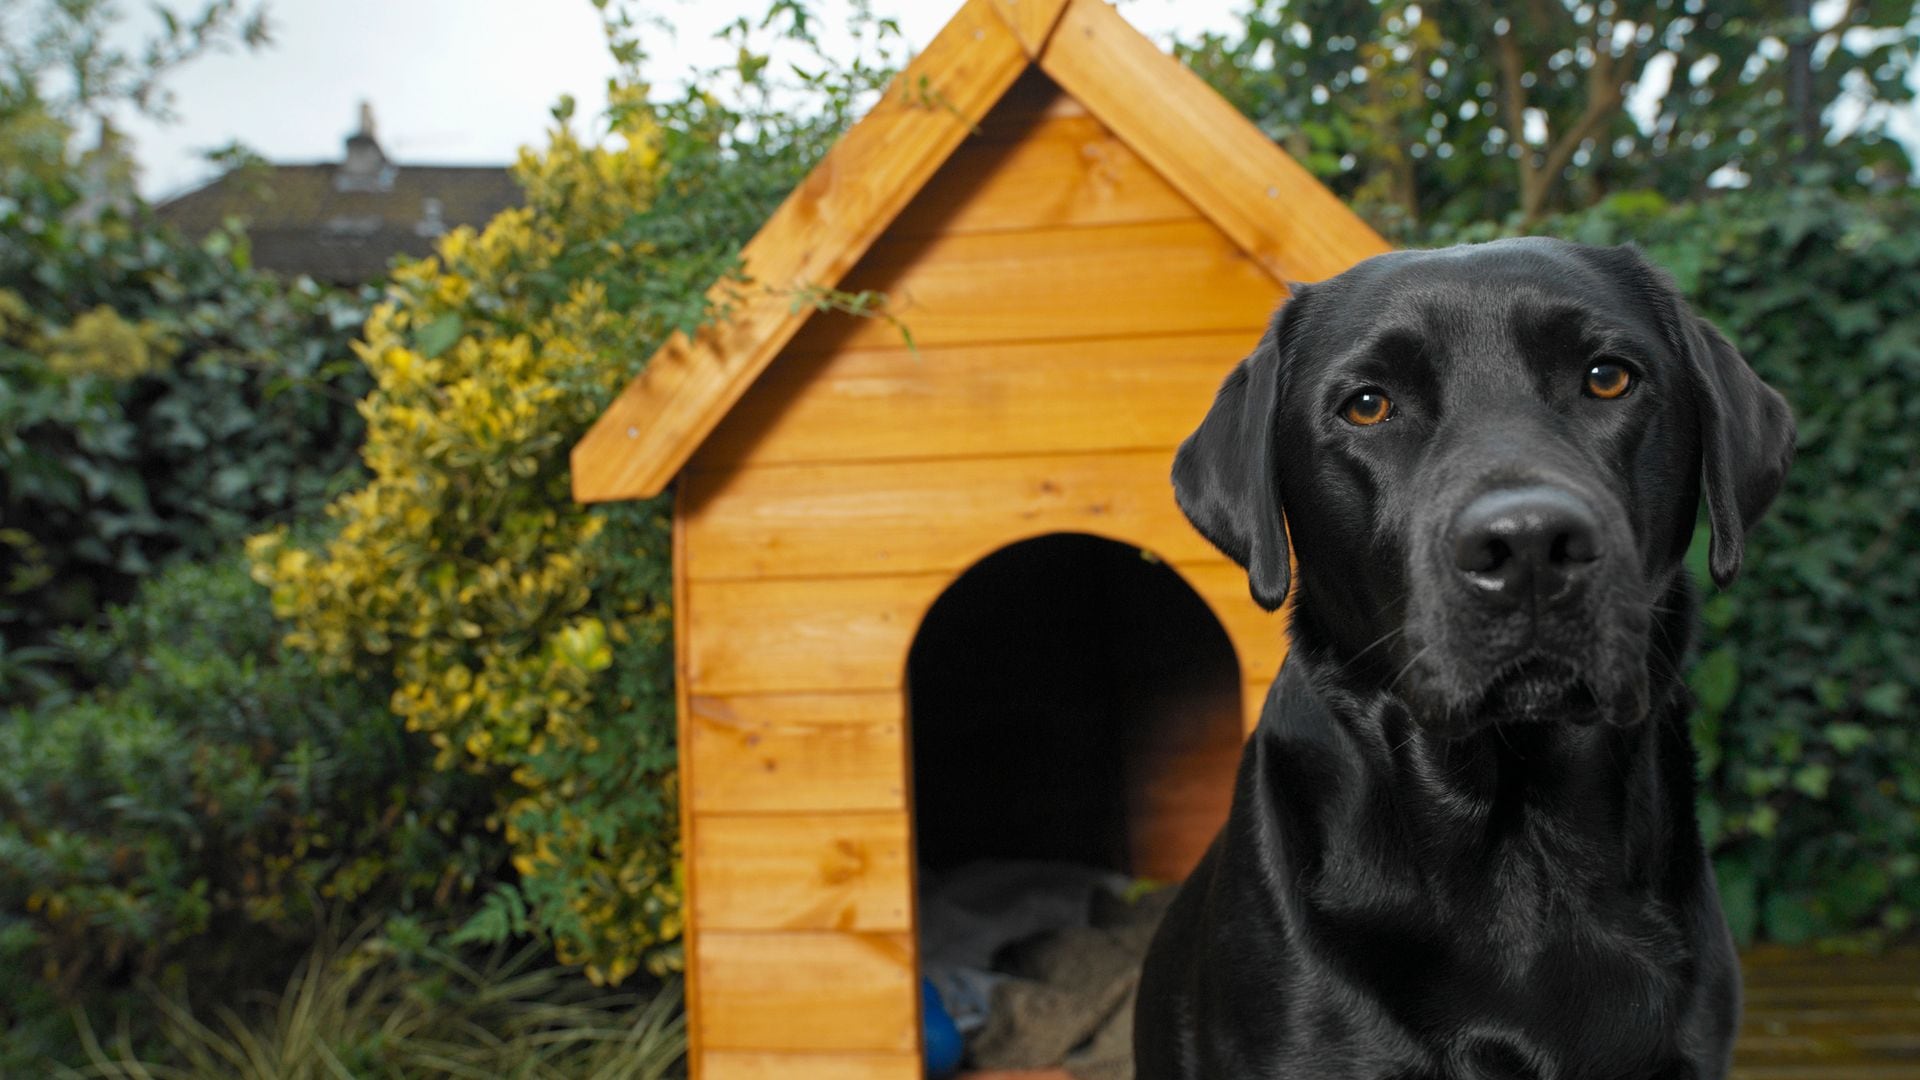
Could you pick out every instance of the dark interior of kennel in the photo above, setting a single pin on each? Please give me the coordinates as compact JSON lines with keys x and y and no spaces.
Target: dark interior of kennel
{"x":1072,"y":699}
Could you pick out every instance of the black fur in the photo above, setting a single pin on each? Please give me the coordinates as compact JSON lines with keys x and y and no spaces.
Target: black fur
{"x":1462,"y":842}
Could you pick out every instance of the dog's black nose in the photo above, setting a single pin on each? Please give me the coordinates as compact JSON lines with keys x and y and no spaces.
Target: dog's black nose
{"x":1525,"y":544}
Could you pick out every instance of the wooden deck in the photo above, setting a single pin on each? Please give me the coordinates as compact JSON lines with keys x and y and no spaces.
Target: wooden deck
{"x":1830,"y":1017}
{"x":1808,"y":1017}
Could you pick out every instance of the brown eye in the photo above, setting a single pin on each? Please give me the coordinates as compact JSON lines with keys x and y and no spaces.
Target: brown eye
{"x":1608,"y":381}
{"x":1367,"y":408}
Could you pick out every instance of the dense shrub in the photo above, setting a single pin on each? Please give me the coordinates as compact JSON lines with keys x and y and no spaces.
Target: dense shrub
{"x":527,"y":636}
{"x":1808,"y":683}
{"x":158,"y":399}
{"x":192,"y":816}
{"x":464,"y":566}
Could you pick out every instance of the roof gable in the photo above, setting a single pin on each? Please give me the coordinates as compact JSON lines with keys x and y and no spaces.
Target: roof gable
{"x":1286,"y":222}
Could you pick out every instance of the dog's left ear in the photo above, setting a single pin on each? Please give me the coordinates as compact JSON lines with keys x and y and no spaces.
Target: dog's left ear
{"x":1746,"y":429}
{"x":1225,"y":477}
{"x":1746,"y":441}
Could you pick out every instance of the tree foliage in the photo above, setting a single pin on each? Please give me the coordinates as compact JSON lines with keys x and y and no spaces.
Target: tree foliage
{"x":158,"y":398}
{"x":1451,"y":113}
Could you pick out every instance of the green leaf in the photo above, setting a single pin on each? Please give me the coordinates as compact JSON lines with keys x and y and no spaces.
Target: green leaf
{"x":1812,"y":780}
{"x":437,"y":336}
{"x":1888,"y":699}
{"x":1715,"y":678}
{"x":1847,"y":738}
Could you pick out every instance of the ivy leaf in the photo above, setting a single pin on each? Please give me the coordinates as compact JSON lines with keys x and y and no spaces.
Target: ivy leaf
{"x":1715,"y":678}
{"x":1812,"y":779}
{"x":1888,"y":699}
{"x":1847,"y":738}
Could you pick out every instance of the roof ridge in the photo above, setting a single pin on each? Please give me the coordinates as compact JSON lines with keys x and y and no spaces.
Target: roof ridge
{"x":1247,"y":187}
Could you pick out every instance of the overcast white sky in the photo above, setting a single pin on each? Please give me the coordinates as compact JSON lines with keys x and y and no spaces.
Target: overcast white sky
{"x":467,"y":81}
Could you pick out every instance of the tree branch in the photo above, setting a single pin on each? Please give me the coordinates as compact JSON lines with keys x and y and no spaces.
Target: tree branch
{"x":1507,"y":51}
{"x":1606,"y":95}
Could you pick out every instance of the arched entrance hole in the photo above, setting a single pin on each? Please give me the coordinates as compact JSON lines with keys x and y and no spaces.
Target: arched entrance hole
{"x":1072,"y":700}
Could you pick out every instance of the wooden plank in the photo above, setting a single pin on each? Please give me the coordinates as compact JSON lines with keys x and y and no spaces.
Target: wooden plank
{"x":1180,"y":752}
{"x":806,"y":635}
{"x":769,"y":752}
{"x":1099,"y":281}
{"x":1259,"y":637}
{"x":812,"y":240}
{"x":909,"y":517}
{"x":814,"y":990}
{"x":749,"y":1065}
{"x":1031,"y":21}
{"x":892,"y":403}
{"x":683,"y":719}
{"x":1832,"y":1017}
{"x":1253,"y":698}
{"x":1059,"y":172}
{"x":1272,"y":207}
{"x":804,"y":871}
{"x":1032,"y":97}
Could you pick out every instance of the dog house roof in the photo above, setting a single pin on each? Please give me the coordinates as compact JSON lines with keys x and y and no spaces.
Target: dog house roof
{"x":1261,"y":199}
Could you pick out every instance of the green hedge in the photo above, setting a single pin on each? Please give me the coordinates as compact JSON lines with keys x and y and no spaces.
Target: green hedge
{"x":159,"y":399}
{"x":205,"y":811}
{"x":1808,"y":681}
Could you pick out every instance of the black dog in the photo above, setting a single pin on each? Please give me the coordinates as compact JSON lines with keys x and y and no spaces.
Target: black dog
{"x":1462,"y":842}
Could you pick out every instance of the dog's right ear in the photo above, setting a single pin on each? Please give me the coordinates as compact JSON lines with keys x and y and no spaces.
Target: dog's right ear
{"x":1225,"y":477}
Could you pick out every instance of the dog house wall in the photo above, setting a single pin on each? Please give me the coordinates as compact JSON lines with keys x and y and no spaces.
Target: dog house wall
{"x":1077,"y":273}
{"x":1071,"y":317}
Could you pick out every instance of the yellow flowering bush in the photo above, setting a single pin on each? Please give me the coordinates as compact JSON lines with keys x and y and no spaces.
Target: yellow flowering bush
{"x":527,"y":635}
{"x":529,"y":638}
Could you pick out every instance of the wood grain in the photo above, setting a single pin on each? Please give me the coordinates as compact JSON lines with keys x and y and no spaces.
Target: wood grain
{"x":683,"y":716}
{"x":812,"y":240}
{"x":748,"y":1065}
{"x":1830,"y":1017}
{"x":805,"y":635}
{"x":1056,"y":172}
{"x":770,"y":752}
{"x":1032,"y":97}
{"x":896,"y":404}
{"x":1096,"y":281}
{"x":912,"y":517}
{"x":1259,"y":637}
{"x":836,"y":634}
{"x":1271,"y":207}
{"x":803,"y":872}
{"x":817,"y":990}
{"x":1030,"y":20}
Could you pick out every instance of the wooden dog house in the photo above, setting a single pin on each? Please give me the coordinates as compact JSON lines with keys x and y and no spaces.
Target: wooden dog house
{"x":1082,"y":239}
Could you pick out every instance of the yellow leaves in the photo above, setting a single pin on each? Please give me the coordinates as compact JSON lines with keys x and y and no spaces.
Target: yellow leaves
{"x":101,"y":342}
{"x":584,"y":645}
{"x":463,"y":568}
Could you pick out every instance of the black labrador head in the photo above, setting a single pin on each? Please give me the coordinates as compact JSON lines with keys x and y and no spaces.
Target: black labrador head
{"x":1491,"y":457}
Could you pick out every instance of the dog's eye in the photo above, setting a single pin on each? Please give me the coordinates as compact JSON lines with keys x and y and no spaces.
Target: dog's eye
{"x":1608,"y":381}
{"x":1367,"y":408}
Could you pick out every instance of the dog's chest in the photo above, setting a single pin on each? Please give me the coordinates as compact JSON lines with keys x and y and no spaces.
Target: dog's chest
{"x":1512,"y":962}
